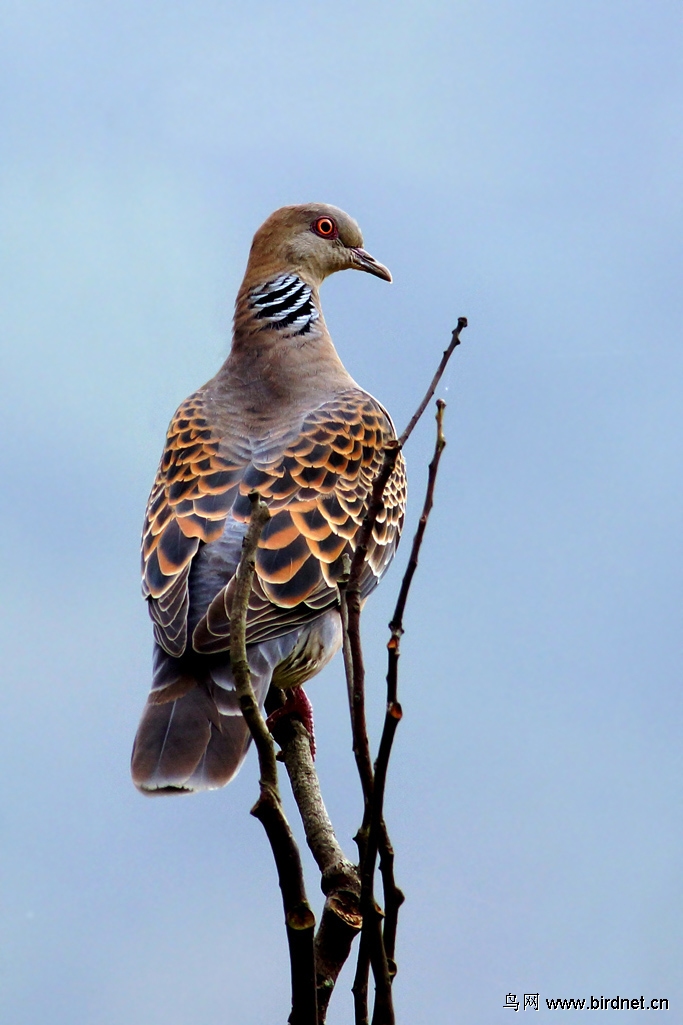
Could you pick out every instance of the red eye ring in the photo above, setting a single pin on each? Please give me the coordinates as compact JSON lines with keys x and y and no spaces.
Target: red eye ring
{"x":325,"y":227}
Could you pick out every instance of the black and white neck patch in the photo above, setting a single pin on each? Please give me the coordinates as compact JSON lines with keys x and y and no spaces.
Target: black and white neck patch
{"x":284,"y":302}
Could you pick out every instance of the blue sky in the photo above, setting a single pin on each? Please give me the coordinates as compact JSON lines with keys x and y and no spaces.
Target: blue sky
{"x":519,"y":163}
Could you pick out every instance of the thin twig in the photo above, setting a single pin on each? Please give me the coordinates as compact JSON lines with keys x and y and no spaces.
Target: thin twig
{"x":393,"y":897}
{"x":455,"y":340}
{"x":238,"y":646}
{"x":361,"y":980}
{"x":349,"y":609}
{"x":299,"y":919}
{"x":349,"y":585}
{"x":396,"y":625}
{"x":377,"y":947}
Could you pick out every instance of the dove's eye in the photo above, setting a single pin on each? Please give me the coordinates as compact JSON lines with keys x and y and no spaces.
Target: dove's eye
{"x":325,"y":227}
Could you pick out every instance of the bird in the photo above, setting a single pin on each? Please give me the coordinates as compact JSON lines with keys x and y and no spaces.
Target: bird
{"x":282,"y":418}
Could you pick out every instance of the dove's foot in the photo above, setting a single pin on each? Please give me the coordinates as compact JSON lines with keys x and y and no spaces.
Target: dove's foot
{"x":298,"y":704}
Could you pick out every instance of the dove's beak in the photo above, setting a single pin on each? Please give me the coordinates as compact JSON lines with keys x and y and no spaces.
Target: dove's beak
{"x":363,"y":261}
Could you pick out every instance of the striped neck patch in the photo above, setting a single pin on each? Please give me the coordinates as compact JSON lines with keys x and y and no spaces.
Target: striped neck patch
{"x":284,"y":302}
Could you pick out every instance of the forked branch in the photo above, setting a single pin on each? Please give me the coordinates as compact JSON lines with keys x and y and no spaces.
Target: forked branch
{"x":350,"y":901}
{"x":377,"y":940}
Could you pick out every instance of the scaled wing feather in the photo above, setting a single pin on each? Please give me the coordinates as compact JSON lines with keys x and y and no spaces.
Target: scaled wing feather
{"x":316,"y":482}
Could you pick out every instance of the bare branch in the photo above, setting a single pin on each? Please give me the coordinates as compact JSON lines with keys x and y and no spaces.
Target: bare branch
{"x":344,"y":912}
{"x":238,"y":646}
{"x":340,"y":882}
{"x":377,"y":945}
{"x":299,"y":919}
{"x":455,"y":340}
{"x":339,"y":925}
{"x":393,"y":897}
{"x":349,"y":608}
{"x":349,"y":585}
{"x":396,"y":625}
{"x":296,"y":753}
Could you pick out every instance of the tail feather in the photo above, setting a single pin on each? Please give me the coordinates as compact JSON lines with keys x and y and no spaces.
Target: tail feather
{"x":192,"y":735}
{"x":186,"y":745}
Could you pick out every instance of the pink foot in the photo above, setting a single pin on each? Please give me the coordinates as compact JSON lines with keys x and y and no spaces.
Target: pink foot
{"x":298,"y":704}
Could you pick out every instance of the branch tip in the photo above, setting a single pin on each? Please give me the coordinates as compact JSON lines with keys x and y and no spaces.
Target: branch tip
{"x":455,"y":341}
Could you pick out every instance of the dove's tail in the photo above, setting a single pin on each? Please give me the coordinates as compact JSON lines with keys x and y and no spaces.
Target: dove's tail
{"x":192,"y":735}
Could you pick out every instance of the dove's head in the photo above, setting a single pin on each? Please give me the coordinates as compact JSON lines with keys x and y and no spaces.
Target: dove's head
{"x":312,"y":240}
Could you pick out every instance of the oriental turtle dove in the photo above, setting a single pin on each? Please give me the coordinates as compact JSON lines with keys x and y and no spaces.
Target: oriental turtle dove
{"x":282,"y":417}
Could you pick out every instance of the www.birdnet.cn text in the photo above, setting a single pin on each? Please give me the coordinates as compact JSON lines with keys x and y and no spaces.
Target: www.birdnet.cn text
{"x":534,"y":1002}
